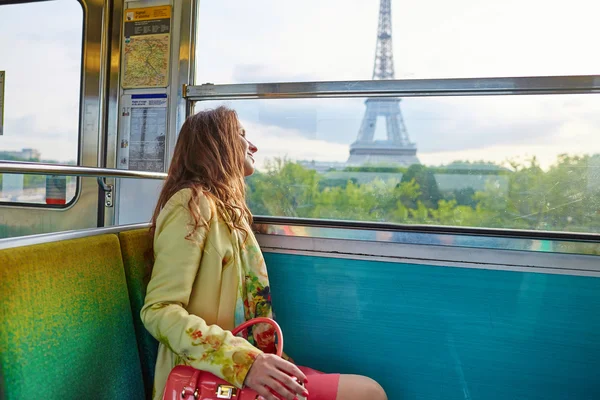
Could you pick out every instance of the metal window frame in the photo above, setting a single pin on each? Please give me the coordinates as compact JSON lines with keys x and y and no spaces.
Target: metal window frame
{"x":89,"y":96}
{"x":283,"y":237}
{"x":576,"y":84}
{"x":535,"y":85}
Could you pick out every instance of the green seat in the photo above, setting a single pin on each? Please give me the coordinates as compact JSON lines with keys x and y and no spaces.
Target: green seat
{"x":66,"y":329}
{"x":135,"y":247}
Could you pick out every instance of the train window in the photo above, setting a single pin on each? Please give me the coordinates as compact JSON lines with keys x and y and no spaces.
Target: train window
{"x":316,"y":40}
{"x":517,"y":162}
{"x":41,"y":47}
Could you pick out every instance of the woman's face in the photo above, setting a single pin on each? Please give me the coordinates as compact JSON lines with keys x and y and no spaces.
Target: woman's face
{"x":249,"y":150}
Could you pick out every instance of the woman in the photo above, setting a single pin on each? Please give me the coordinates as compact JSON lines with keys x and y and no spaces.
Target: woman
{"x":209,"y":274}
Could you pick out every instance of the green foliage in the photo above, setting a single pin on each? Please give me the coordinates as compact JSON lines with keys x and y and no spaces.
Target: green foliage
{"x":286,"y":189}
{"x":566,"y":197}
{"x":423,"y":176}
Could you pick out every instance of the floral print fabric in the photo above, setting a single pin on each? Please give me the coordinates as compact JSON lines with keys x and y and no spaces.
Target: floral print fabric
{"x":255,"y":296}
{"x":218,"y":279}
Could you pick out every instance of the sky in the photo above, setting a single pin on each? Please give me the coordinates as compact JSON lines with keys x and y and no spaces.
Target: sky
{"x":269,"y":41}
{"x":40,"y":50}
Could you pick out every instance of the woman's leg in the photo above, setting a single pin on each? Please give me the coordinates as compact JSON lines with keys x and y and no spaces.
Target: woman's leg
{"x":323,"y":386}
{"x":357,"y":387}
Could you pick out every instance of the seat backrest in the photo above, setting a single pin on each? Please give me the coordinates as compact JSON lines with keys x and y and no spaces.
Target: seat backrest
{"x":135,"y":245}
{"x":66,"y":329}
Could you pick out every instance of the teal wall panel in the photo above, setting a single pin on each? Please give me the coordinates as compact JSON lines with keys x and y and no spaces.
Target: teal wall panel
{"x":430,"y":332}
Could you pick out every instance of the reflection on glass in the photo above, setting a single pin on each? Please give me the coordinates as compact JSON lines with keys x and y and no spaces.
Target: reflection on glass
{"x":42,"y":62}
{"x":517,"y":162}
{"x":37,"y":189}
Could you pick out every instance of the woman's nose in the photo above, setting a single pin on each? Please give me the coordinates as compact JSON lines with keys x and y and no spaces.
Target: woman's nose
{"x":252,"y":147}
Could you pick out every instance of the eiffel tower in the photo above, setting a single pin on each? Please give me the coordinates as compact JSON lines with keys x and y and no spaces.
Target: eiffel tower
{"x":397,"y":150}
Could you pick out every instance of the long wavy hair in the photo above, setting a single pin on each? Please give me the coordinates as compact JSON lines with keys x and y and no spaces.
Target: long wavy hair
{"x":209,"y":160}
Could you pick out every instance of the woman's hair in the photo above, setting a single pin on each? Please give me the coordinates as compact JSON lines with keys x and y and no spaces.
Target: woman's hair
{"x":209,"y":159}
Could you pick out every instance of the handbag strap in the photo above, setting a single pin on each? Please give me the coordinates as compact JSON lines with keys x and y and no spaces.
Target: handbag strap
{"x":260,"y":320}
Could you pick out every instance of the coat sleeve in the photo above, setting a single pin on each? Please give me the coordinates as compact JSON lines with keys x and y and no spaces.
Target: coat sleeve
{"x":177,"y":260}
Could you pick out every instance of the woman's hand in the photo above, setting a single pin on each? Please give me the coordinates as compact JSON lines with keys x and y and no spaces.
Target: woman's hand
{"x":272,"y":373}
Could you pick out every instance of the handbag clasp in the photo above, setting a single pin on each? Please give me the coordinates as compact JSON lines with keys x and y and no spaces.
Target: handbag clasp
{"x":226,"y":392}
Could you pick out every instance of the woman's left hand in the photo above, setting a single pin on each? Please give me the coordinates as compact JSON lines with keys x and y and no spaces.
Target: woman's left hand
{"x":271,"y":374}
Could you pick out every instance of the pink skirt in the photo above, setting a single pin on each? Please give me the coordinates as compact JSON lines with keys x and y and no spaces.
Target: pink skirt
{"x":321,"y":386}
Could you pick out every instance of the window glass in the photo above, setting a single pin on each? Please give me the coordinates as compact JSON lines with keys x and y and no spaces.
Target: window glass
{"x":41,"y":47}
{"x":518,"y":162}
{"x":312,"y":40}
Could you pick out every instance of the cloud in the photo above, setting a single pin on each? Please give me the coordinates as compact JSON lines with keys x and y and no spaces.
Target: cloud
{"x":268,"y":40}
{"x":455,"y":124}
{"x":462,"y":38}
{"x":51,"y":149}
{"x":545,"y":154}
{"x":442,"y":124}
{"x":274,"y":141}
{"x":314,"y":119}
{"x":257,"y":73}
{"x":445,"y":129}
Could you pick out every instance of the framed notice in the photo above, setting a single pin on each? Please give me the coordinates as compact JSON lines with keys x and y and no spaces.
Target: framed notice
{"x":146,"y":47}
{"x":142,"y":141}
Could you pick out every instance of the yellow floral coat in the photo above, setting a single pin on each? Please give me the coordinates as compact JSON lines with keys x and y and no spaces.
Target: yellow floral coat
{"x":191,"y":298}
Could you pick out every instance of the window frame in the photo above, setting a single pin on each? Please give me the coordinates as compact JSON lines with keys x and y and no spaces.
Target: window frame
{"x":453,"y":87}
{"x":73,"y":200}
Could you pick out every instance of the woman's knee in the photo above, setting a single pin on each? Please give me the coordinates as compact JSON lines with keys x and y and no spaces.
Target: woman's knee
{"x":357,"y":387}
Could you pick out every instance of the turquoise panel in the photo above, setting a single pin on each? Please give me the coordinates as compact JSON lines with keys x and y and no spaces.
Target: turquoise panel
{"x":428,"y":332}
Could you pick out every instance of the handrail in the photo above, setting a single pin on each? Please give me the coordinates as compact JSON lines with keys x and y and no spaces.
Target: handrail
{"x":398,"y":88}
{"x":71,"y":170}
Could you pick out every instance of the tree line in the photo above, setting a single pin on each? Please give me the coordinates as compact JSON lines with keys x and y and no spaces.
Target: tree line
{"x":522,"y":195}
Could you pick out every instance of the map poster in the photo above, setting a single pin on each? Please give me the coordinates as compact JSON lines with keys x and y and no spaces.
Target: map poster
{"x":2,"y":102}
{"x":146,"y":45}
{"x":147,"y":128}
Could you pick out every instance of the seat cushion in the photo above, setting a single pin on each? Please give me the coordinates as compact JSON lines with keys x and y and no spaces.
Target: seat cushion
{"x":66,"y":329}
{"x":135,"y":247}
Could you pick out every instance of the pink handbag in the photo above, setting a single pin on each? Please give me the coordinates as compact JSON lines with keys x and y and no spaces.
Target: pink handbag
{"x":188,"y":383}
